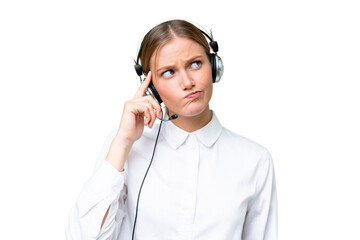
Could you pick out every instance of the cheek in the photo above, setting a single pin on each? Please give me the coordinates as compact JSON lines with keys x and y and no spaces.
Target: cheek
{"x":206,"y":79}
{"x":208,"y":92}
{"x":206,"y":74}
{"x":168,"y":91}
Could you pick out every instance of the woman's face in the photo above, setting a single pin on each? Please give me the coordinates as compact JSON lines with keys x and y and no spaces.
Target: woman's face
{"x":181,"y":73}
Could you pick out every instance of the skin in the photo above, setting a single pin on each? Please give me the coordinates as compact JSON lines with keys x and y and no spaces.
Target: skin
{"x":181,"y":73}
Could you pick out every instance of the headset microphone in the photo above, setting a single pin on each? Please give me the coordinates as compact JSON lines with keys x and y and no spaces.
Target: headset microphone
{"x":173,"y":117}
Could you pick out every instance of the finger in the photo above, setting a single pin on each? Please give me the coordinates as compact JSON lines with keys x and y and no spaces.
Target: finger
{"x":156,"y":106}
{"x":150,"y":110}
{"x":147,"y":110}
{"x":141,"y":91}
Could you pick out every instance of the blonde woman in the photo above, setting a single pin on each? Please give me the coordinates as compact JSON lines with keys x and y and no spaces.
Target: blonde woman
{"x":185,"y":178}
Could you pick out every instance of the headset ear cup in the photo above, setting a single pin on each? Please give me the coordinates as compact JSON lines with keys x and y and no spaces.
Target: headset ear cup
{"x":217,"y":67}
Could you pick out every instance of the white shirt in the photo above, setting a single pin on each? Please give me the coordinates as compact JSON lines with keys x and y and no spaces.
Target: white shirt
{"x":211,"y":184}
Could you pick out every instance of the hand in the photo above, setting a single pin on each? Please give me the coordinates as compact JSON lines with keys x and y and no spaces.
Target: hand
{"x":139,"y":112}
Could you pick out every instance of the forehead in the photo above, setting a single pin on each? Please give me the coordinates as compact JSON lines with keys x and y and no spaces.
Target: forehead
{"x":177,"y":49}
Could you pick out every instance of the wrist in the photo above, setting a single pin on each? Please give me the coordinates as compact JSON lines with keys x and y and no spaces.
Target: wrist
{"x":122,"y":140}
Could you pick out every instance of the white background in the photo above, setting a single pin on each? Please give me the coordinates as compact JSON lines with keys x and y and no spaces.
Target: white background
{"x":291,"y":83}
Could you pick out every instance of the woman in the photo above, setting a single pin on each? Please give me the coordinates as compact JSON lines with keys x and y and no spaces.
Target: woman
{"x":205,"y":182}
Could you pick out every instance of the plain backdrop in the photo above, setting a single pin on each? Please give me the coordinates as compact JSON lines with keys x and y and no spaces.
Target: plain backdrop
{"x":291,"y":83}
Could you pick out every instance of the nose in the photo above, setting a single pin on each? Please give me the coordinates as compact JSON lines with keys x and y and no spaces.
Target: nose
{"x":187,"y":81}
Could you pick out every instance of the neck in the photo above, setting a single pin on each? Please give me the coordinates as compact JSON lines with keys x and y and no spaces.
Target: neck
{"x":191,"y":124}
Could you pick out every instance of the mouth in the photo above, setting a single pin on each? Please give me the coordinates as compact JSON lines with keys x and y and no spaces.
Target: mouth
{"x":195,"y":94}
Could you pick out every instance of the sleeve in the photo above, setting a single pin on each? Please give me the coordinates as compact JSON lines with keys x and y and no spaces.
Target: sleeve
{"x":261,"y":217}
{"x":106,"y":187}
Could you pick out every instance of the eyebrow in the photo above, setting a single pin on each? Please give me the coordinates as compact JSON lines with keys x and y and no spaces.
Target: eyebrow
{"x":172,"y":66}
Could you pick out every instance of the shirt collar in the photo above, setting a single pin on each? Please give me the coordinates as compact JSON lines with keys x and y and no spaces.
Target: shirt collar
{"x":207,"y":135}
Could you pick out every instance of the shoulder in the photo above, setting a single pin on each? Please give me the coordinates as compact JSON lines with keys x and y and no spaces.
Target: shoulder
{"x":149,"y":134}
{"x":233,"y":138}
{"x":241,"y":146}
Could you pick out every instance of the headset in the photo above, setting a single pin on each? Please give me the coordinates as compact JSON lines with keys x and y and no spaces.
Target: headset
{"x":217,"y":67}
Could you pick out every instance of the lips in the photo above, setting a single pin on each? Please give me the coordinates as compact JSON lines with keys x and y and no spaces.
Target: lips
{"x":193,"y":94}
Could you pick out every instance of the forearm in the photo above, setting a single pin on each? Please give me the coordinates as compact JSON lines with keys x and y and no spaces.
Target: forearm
{"x":118,"y":153}
{"x":105,"y":188}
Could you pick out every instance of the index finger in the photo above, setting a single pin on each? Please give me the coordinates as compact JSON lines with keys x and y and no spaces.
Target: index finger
{"x":141,"y":91}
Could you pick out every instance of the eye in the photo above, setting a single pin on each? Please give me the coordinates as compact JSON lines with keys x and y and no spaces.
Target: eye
{"x":168,"y":73}
{"x":196,"y":64}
